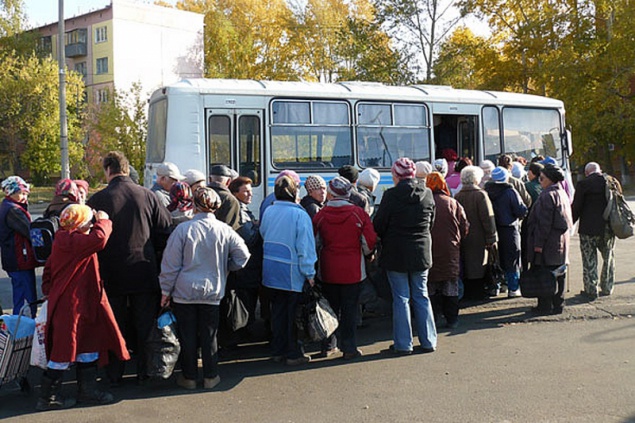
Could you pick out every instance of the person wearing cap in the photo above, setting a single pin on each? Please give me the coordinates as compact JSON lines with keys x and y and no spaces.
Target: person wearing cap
{"x":82,"y":187}
{"x":403,"y":223}
{"x":199,"y":255}
{"x":508,"y":210}
{"x":18,"y":259}
{"x":220,"y":176}
{"x":548,"y":228}
{"x":315,"y":196}
{"x":269,"y":199}
{"x":366,"y":186}
{"x":344,"y":235}
{"x":167,"y":174}
{"x":424,"y":168}
{"x":477,"y":245}
{"x":128,"y":264}
{"x":589,"y":203}
{"x":66,"y":193}
{"x":352,"y":174}
{"x":80,"y":327}
{"x":194,"y":178}
{"x":448,"y":231}
{"x":506,"y":161}
{"x":487,"y":166}
{"x":289,"y":263}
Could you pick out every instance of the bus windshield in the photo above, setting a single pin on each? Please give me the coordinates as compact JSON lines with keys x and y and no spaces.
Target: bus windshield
{"x":532,"y":132}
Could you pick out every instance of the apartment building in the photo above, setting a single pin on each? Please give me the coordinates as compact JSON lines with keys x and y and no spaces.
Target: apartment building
{"x":127,"y":42}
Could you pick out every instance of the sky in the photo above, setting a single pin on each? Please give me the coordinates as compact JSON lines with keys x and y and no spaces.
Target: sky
{"x":43,"y":12}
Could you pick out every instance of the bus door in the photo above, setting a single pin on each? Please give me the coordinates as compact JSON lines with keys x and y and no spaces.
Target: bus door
{"x":456,"y":127}
{"x":235,"y":140}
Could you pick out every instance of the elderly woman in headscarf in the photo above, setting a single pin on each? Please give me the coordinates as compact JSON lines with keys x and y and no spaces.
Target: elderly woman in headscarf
{"x":508,"y":210}
{"x":315,"y":196}
{"x":198,"y":256}
{"x":475,"y":247}
{"x":548,"y":233}
{"x":66,"y":192}
{"x":366,"y":186}
{"x":80,"y":326}
{"x":448,"y":231}
{"x":403,"y":223}
{"x":344,"y":235}
{"x":289,"y":262}
{"x":181,"y":202}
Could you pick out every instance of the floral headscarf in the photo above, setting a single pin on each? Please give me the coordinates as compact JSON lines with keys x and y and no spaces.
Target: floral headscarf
{"x":14,"y":184}
{"x":75,"y":216}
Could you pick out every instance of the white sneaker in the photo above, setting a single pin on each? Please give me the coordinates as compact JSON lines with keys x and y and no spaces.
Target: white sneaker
{"x":514,"y":294}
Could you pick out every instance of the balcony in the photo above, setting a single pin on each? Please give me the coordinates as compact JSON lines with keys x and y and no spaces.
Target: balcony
{"x":76,"y":50}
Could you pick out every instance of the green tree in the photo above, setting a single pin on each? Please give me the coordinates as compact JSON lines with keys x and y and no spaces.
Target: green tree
{"x":117,"y":124}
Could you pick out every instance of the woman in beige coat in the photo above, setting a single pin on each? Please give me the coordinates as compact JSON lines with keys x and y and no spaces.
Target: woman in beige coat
{"x":482,"y":235}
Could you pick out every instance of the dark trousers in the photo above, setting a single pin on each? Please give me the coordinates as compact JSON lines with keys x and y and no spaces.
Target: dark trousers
{"x":555,"y":302}
{"x":134,"y":312}
{"x":198,"y":325}
{"x":284,"y":340}
{"x":343,"y":300}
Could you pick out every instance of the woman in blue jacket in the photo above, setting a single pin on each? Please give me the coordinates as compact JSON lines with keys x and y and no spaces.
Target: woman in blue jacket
{"x":289,"y":262}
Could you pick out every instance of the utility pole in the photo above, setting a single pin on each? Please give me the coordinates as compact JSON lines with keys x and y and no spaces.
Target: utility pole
{"x":61,"y":59}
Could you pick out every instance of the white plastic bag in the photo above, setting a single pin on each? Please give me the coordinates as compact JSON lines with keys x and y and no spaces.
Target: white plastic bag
{"x":38,"y":352}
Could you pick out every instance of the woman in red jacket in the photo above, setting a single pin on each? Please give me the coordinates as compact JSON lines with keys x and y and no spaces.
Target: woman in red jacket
{"x":344,"y":235}
{"x":80,"y":325}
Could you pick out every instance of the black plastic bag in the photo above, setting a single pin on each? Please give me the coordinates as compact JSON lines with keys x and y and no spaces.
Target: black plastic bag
{"x":315,"y":319}
{"x":162,"y":346}
{"x":233,"y":311}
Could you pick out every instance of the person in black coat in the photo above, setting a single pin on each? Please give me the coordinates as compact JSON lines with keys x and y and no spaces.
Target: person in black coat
{"x":128,"y":264}
{"x":588,"y":206}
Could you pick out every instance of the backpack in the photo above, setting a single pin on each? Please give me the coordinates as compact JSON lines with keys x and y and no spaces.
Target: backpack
{"x":42,"y":232}
{"x":617,"y":212}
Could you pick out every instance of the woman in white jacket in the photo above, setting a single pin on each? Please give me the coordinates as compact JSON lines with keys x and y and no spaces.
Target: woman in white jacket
{"x":197,"y":259}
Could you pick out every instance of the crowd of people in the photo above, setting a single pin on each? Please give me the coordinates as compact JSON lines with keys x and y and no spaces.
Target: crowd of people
{"x":191,"y":244}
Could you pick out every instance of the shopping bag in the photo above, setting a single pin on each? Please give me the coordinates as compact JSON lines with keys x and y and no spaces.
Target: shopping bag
{"x":233,"y":311}
{"x":316,"y":319}
{"x":38,"y":350}
{"x":538,"y":281}
{"x":162,"y":346}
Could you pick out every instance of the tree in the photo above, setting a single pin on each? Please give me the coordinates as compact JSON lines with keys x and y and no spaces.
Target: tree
{"x":117,"y":124}
{"x":419,"y":25}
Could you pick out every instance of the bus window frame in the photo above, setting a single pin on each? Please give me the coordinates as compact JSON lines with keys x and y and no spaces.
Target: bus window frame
{"x":561,"y":148}
{"x":151,"y":117}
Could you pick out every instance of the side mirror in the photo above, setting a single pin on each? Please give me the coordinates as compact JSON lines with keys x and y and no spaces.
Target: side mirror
{"x":569,"y":142}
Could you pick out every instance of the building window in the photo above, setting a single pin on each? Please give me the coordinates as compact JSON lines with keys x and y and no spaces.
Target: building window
{"x":102,"y":65}
{"x":81,"y":68}
{"x":75,"y":36}
{"x":46,"y":45}
{"x":101,"y":96}
{"x":101,"y":34}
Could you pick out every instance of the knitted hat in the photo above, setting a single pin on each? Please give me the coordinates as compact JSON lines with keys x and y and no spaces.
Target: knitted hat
{"x":518,"y":170}
{"x":553,"y":172}
{"x":369,"y":178}
{"x":206,"y":200}
{"x":404,"y":168}
{"x":192,"y":176}
{"x":291,"y":174}
{"x":180,"y":197}
{"x":349,"y":172}
{"x":423,"y":169}
{"x":67,"y":188}
{"x":441,"y":166}
{"x":436,"y":182}
{"x":314,"y":182}
{"x":340,"y":187}
{"x":500,"y":175}
{"x":75,"y":216}
{"x":14,"y":184}
{"x":487,"y":166}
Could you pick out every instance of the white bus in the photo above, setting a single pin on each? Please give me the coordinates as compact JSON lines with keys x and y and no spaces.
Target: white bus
{"x":260,"y":128}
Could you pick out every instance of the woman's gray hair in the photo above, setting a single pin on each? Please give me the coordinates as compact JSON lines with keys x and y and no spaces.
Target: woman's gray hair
{"x":471,"y":175}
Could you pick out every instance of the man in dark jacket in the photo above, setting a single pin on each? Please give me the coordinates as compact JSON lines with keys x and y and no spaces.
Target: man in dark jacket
{"x":588,"y":206}
{"x":220,"y":177}
{"x":128,"y":264}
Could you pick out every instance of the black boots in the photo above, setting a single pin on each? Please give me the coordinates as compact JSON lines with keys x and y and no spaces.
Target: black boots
{"x":50,"y":396}
{"x":88,"y":391}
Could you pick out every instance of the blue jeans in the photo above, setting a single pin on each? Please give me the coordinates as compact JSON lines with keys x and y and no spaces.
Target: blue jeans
{"x":411,"y":290}
{"x":23,"y":283}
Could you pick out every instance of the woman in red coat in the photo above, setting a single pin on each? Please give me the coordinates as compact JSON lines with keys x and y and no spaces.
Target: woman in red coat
{"x":344,"y":234}
{"x":80,"y":325}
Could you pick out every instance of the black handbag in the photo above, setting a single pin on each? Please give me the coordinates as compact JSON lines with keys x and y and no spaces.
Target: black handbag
{"x":233,"y":311}
{"x":538,"y":281}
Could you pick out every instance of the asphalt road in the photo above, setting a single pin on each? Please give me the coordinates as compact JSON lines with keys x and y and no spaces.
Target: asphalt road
{"x":501,"y":364}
